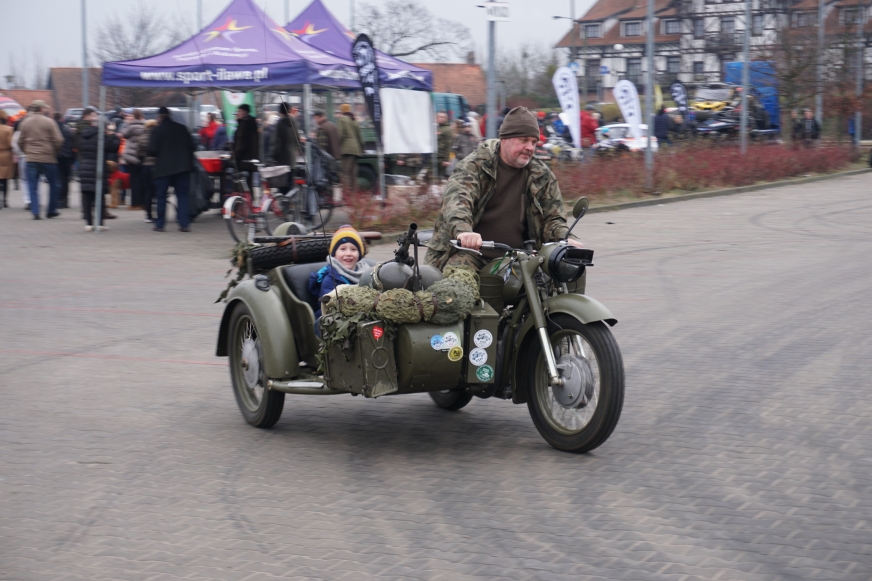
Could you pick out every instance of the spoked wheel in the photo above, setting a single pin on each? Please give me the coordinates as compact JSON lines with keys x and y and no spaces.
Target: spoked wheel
{"x":310,"y":208}
{"x":275,"y":214}
{"x":582,"y":413}
{"x":451,"y":399}
{"x":260,"y":407}
{"x":240,"y":220}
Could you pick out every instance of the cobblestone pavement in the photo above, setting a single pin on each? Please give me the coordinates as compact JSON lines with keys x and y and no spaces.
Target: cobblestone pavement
{"x":744,"y":451}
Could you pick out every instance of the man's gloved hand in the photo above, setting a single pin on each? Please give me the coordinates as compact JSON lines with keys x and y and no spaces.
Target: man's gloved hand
{"x":470,"y":240}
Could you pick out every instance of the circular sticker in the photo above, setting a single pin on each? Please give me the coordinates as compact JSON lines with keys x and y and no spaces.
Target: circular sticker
{"x":437,"y":343}
{"x":483,"y":339}
{"x":450,"y":340}
{"x":455,"y":353}
{"x":485,"y":373}
{"x":478,"y":356}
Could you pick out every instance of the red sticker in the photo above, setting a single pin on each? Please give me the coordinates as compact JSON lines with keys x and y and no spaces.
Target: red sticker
{"x":377,"y":332}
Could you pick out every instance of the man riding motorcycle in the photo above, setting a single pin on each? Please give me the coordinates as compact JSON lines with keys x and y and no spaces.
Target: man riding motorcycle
{"x":500,"y":192}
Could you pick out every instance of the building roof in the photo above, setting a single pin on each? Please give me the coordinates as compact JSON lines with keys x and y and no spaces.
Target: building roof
{"x":622,"y":10}
{"x":66,"y":85}
{"x":26,"y":96}
{"x":462,"y":78}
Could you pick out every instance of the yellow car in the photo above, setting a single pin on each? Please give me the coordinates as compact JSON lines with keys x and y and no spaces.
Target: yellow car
{"x":714,"y":98}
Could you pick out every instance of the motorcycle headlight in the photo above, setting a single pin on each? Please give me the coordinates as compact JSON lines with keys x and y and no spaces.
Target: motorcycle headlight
{"x":565,"y":263}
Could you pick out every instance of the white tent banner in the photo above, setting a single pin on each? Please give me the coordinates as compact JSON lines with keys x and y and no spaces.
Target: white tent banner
{"x":628,"y":100}
{"x":407,"y":121}
{"x":566,"y":87}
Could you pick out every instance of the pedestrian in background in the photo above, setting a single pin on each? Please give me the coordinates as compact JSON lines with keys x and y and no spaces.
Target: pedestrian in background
{"x":246,"y":142}
{"x":350,"y":144}
{"x":464,"y":142}
{"x":810,"y":131}
{"x":207,"y":133}
{"x":173,"y":150}
{"x":327,"y":136}
{"x":474,"y":125}
{"x":66,"y":156}
{"x":146,"y":169}
{"x":286,"y":143}
{"x":132,"y":132}
{"x":444,"y":140}
{"x":663,"y":127}
{"x":87,"y":146}
{"x":7,"y":162}
{"x":41,"y":140}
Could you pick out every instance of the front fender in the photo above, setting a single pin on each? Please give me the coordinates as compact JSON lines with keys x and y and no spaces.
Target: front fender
{"x":280,"y":358}
{"x":582,"y":307}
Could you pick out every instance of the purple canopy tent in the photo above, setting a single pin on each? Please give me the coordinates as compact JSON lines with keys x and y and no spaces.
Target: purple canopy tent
{"x":317,"y":27}
{"x":242,"y":47}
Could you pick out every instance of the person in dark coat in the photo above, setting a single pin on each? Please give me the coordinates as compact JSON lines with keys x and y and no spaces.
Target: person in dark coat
{"x":663,"y":127}
{"x":87,"y":141}
{"x":246,"y":141}
{"x":173,"y":149}
{"x":286,"y":143}
{"x":65,"y":162}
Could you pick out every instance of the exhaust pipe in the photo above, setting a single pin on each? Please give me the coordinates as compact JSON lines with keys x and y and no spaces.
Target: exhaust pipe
{"x":301,"y":387}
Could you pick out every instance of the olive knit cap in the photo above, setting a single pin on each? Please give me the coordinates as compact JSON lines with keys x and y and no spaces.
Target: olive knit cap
{"x":346,"y":234}
{"x":519,"y":122}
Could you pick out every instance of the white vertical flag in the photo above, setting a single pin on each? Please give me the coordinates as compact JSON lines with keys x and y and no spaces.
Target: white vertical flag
{"x":628,"y":100}
{"x":567,"y":93}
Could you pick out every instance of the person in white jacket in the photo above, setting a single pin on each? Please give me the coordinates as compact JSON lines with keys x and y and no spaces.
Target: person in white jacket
{"x":22,"y":170}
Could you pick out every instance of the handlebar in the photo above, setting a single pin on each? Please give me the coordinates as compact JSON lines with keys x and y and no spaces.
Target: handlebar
{"x":485,"y":244}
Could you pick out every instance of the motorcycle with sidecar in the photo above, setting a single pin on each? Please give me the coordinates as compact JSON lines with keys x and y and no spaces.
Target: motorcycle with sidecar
{"x":534,"y":337}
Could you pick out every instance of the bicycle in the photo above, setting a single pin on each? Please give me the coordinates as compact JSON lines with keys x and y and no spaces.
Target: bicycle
{"x":304,"y":204}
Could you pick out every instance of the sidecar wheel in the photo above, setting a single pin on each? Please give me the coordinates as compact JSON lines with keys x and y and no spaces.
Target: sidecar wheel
{"x":582,"y":415}
{"x":451,"y":399}
{"x":260,"y":407}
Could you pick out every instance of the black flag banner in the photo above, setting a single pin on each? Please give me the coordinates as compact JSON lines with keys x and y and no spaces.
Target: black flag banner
{"x":679,"y":95}
{"x":363,"y":54}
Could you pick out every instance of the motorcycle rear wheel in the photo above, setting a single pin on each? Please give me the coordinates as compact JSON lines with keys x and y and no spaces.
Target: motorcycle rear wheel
{"x":261,"y":407}
{"x":577,"y":429}
{"x":451,"y":399}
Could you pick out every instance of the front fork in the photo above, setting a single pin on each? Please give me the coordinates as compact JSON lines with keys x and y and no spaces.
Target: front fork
{"x":528,"y":266}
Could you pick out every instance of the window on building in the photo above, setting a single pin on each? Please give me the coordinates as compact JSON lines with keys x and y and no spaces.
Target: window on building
{"x":728,"y":25}
{"x":698,"y":68}
{"x":593,"y":67}
{"x":634,"y":67}
{"x":804,"y":19}
{"x":673,"y":64}
{"x":672,"y":27}
{"x":632,"y":29}
{"x":592,"y":30}
{"x":698,"y":28}
{"x":848,"y":16}
{"x":757,"y":25}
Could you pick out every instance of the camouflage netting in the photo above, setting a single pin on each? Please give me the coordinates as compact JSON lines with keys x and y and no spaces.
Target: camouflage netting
{"x":464,"y":274}
{"x":425,"y":299}
{"x":454,"y":301}
{"x":349,"y":300}
{"x":398,"y":306}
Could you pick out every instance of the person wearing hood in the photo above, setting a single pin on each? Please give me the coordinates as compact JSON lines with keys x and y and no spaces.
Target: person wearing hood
{"x":344,"y":265}
{"x":87,"y":140}
{"x":286,"y":142}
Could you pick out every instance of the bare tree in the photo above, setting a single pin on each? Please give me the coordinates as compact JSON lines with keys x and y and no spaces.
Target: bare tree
{"x":406,"y":29}
{"x":526,"y":75}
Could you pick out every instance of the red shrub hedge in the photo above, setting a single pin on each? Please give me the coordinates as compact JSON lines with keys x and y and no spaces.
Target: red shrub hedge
{"x":695,"y":168}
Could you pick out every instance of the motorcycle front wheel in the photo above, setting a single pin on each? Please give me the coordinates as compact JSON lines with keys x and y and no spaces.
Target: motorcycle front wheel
{"x":580,"y":415}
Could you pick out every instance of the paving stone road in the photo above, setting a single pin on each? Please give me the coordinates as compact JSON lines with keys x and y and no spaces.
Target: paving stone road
{"x":744,"y":451}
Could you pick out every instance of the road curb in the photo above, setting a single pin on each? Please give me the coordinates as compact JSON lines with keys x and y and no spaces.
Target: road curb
{"x":391,"y":237}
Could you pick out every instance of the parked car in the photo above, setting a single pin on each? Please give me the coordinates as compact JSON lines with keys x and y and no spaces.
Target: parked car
{"x":616,"y":138}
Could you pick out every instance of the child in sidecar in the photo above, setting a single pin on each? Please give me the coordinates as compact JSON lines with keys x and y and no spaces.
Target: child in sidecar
{"x":344,"y":265}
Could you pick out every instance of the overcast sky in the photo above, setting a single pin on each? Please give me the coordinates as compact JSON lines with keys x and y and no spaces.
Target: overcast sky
{"x":52,"y":28}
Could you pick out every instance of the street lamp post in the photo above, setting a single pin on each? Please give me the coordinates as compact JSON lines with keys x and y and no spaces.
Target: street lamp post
{"x":746,"y":71}
{"x":649,"y":99}
{"x":84,"y":56}
{"x":861,"y":48}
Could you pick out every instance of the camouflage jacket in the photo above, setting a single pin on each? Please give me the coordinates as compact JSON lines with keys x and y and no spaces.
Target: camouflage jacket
{"x":473,"y":183}
{"x":445,"y":137}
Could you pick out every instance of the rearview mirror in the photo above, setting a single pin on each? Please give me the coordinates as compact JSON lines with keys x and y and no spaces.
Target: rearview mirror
{"x":580,"y":207}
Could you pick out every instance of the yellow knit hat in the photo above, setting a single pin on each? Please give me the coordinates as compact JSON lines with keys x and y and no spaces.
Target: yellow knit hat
{"x":345,"y":108}
{"x":346,"y":234}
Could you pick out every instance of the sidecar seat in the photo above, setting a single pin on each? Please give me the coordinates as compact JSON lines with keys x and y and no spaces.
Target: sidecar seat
{"x":297,"y":277}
